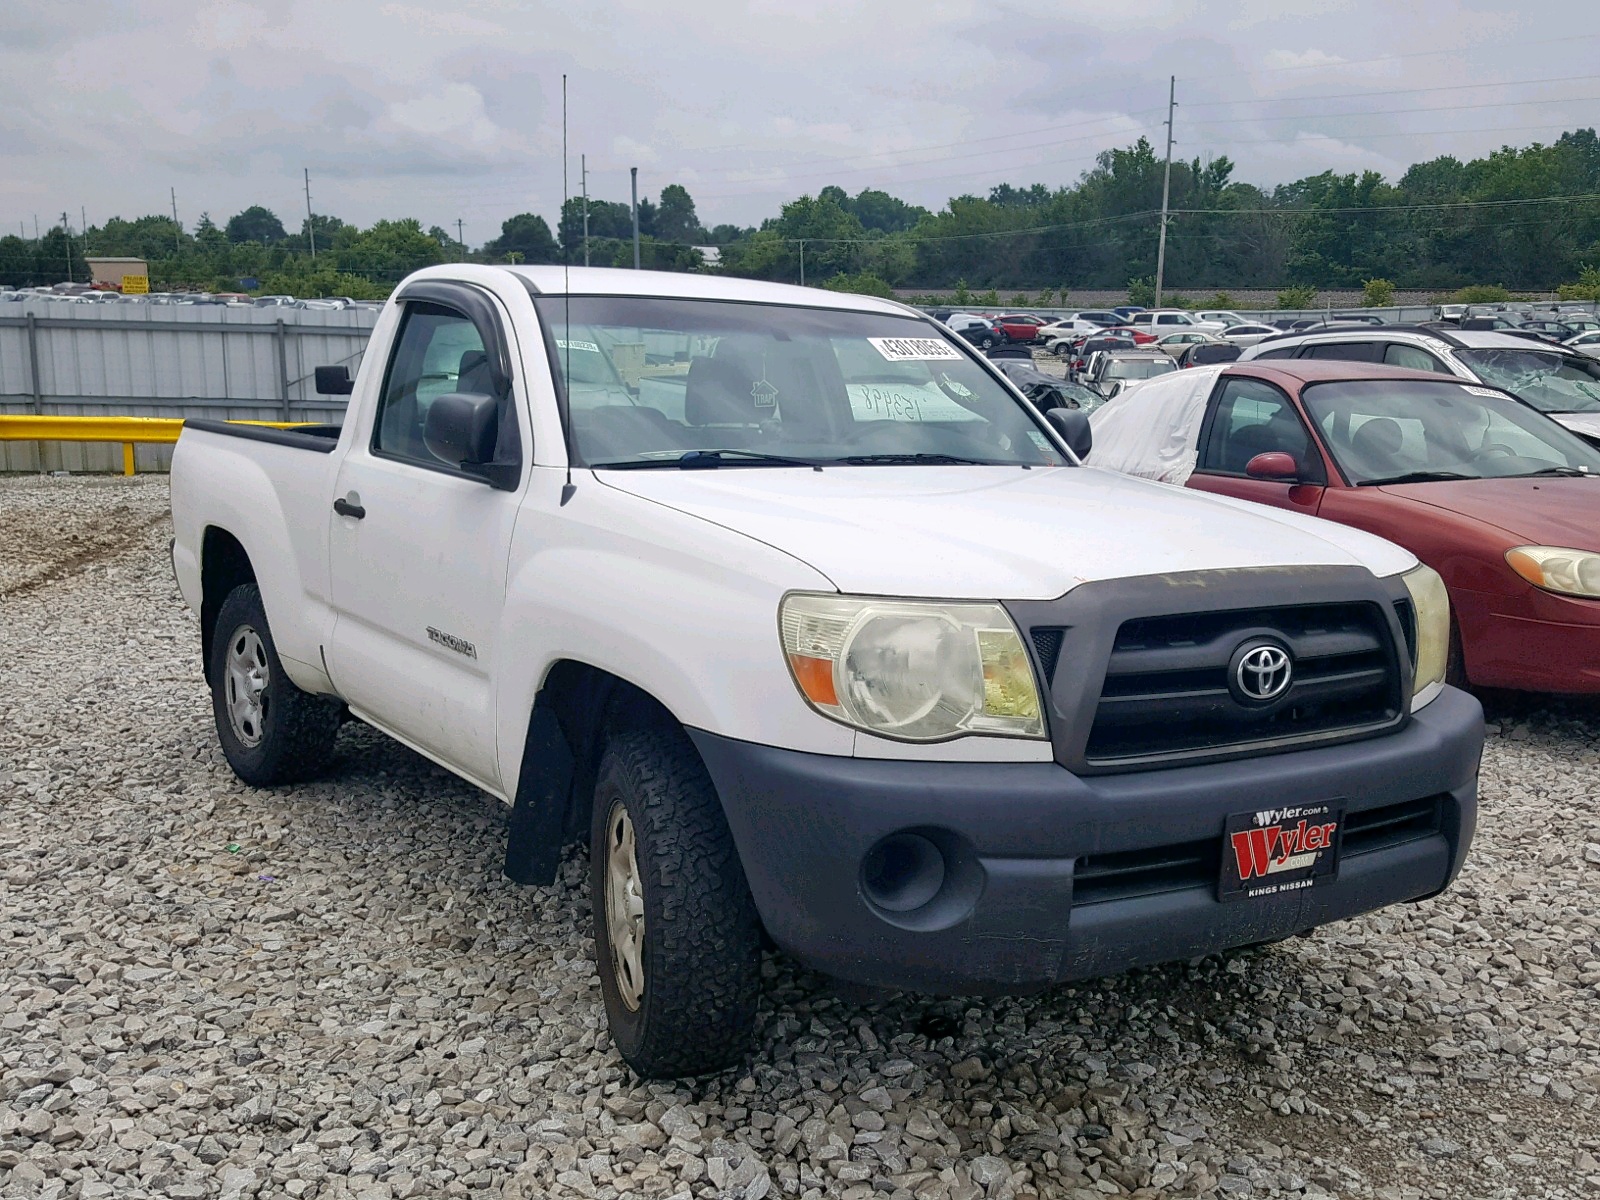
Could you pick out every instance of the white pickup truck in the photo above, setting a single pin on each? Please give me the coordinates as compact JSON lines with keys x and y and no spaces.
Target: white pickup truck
{"x":816,"y":631}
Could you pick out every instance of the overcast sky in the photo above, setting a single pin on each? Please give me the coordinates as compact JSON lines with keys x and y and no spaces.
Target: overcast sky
{"x":452,"y":108}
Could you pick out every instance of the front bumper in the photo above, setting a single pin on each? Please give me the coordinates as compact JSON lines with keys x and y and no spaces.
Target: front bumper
{"x":1010,"y":914}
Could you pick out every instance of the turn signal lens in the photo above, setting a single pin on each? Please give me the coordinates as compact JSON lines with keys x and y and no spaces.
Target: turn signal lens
{"x":1431,"y":604}
{"x":913,"y":670}
{"x":1555,"y":569}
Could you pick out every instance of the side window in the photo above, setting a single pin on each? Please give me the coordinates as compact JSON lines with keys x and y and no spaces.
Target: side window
{"x":1171,"y":319}
{"x":1398,"y":355}
{"x":1347,"y":351}
{"x":438,"y":351}
{"x":1251,"y":418}
{"x":1282,"y":352}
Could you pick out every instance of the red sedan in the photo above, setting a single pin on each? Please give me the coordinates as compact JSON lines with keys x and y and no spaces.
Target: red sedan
{"x":1495,"y":496}
{"x":1020,"y":327}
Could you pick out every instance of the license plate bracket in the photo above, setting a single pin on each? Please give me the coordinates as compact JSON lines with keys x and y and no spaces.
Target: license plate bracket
{"x":1274,"y":852}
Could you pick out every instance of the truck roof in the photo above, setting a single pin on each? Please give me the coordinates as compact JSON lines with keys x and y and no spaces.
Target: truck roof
{"x":611,"y":281}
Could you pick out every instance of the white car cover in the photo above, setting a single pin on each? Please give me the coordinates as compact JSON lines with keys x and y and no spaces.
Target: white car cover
{"x":1152,"y":429}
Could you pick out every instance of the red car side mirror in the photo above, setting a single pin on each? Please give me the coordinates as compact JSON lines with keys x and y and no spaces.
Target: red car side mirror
{"x":1274,"y":465}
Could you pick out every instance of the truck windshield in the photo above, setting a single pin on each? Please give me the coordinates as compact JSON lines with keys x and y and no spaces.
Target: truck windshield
{"x":1551,"y":381}
{"x":664,"y":381}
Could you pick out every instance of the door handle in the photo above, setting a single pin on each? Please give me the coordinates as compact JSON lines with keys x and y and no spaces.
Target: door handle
{"x":347,"y":509}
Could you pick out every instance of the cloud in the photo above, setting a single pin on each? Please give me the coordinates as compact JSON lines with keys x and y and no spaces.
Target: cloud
{"x":452,"y":108}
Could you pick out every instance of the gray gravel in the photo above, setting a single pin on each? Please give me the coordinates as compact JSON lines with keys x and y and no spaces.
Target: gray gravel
{"x":331,"y":991}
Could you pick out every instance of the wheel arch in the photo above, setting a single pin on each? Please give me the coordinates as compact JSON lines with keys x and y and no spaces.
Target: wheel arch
{"x":224,"y":565}
{"x":577,"y":707}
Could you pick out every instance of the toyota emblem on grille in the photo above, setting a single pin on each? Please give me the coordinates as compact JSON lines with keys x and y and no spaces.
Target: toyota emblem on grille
{"x":1262,"y":671}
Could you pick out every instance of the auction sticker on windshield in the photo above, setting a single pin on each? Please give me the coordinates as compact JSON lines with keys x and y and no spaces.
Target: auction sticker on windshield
{"x":1273,"y":851}
{"x":914,"y":349}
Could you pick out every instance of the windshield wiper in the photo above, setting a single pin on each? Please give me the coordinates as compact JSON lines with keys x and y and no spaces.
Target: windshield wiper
{"x":1417,"y":477}
{"x":1564,"y":472}
{"x":699,"y":459}
{"x":861,"y":460}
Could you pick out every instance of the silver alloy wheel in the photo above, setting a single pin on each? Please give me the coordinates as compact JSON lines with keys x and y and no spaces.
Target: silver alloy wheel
{"x":247,"y":678}
{"x":624,"y":902}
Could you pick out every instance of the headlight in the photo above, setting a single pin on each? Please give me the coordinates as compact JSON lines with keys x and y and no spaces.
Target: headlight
{"x":1431,"y":604}
{"x":1570,"y":572}
{"x":909,"y":669}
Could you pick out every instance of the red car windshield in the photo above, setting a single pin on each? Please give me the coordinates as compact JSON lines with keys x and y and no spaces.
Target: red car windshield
{"x":1393,"y":430}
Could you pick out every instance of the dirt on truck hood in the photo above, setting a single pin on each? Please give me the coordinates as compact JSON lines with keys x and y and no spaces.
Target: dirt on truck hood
{"x":998,"y":532}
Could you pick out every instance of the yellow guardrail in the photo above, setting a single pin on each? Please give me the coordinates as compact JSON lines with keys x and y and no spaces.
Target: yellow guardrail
{"x":130,"y":431}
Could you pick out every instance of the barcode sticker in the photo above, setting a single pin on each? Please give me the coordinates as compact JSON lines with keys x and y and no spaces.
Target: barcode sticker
{"x":1480,"y":391}
{"x":589,"y":346}
{"x":914,"y":349}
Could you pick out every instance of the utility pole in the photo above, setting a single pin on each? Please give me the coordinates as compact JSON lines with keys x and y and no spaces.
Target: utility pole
{"x":177,"y":235}
{"x":311,"y":229}
{"x":802,"y":262}
{"x":66,"y":231}
{"x":459,"y":242}
{"x":635,"y":171}
{"x":583,"y":174}
{"x":83,"y":228}
{"x":1166,"y":191}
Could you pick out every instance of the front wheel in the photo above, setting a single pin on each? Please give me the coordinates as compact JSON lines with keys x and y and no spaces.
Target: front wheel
{"x":676,"y":935}
{"x":271,"y":732}
{"x":986,"y":344}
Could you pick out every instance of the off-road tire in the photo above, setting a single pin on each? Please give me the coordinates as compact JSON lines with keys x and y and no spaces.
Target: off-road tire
{"x":702,"y":939}
{"x":297,"y":728}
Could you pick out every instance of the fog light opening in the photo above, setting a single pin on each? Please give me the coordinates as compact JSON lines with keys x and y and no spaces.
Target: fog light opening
{"x":903,"y":872}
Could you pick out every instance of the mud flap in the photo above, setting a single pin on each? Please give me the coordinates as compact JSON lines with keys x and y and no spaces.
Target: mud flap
{"x":534,"y":835}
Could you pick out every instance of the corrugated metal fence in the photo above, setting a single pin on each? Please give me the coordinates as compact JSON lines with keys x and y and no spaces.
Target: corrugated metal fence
{"x":252,"y":364}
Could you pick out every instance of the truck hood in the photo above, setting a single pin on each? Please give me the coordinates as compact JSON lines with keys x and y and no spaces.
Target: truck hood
{"x":1537,"y":512}
{"x":964,"y":532}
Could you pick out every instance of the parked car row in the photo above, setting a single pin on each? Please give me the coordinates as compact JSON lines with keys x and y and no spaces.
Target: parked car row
{"x":67,"y":294}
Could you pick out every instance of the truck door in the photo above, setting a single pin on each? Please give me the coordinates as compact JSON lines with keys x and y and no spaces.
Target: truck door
{"x":418,"y":548}
{"x":1250,"y":417}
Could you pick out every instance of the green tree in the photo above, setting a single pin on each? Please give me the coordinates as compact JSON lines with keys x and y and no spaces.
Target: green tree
{"x":863,"y":284}
{"x":1377,"y":293}
{"x":16,"y":261}
{"x":675,"y":219}
{"x":527,"y":235}
{"x":255,"y":224}
{"x":388,"y":251}
{"x":1300,"y":297}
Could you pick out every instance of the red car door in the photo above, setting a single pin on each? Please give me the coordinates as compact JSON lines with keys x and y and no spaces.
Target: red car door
{"x":1247,"y":418}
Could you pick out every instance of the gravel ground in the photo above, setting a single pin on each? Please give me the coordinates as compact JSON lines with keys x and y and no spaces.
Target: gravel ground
{"x":330,"y":990}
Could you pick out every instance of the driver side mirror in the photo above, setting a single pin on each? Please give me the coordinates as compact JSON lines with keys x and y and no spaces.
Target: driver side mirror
{"x":1073,"y":426}
{"x":460,"y":429}
{"x":334,"y":381}
{"x":1274,"y":465}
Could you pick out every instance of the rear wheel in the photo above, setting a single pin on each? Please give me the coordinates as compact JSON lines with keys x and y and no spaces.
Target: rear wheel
{"x":986,"y":343}
{"x":270,"y":731}
{"x":675,"y":929}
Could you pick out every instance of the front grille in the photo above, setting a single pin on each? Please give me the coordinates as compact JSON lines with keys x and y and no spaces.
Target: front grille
{"x":1166,"y":694}
{"x":1126,"y":874}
